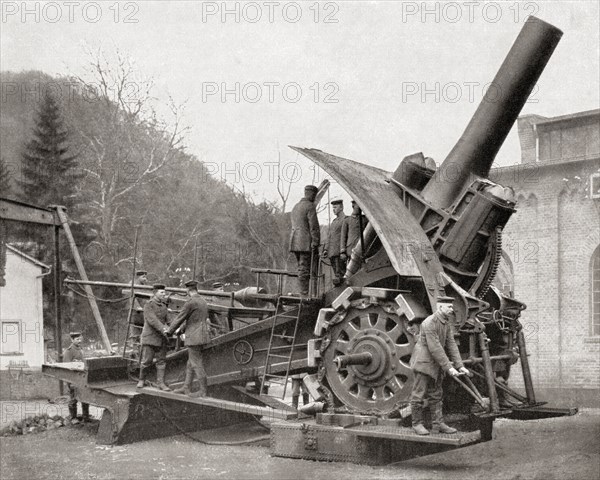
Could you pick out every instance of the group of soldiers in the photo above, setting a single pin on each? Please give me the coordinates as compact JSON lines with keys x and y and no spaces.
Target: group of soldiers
{"x":305,"y":239}
{"x":157,"y":331}
{"x":435,"y":353}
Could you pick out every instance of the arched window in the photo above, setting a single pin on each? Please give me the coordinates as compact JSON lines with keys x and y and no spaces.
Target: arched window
{"x":595,"y":284}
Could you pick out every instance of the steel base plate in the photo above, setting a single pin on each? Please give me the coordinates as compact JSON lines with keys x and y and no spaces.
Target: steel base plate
{"x":368,"y":444}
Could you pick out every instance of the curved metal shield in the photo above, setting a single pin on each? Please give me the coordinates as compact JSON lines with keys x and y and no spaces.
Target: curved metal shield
{"x":407,"y":246}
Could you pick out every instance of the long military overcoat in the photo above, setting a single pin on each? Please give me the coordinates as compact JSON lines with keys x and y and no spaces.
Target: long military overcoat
{"x":351,"y":233}
{"x":305,"y":227}
{"x":195,"y":314}
{"x":155,"y":320}
{"x":434,"y":345}
{"x":334,"y":237}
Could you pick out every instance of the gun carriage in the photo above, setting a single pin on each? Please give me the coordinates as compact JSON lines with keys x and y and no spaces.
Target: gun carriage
{"x":432,"y":232}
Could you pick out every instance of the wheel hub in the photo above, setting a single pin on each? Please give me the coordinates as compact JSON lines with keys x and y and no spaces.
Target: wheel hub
{"x":371,"y":342}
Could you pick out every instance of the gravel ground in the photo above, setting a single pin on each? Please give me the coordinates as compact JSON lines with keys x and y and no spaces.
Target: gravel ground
{"x":17,"y":410}
{"x":551,"y":449}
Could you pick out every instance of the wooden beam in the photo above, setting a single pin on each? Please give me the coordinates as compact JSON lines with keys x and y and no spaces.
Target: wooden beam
{"x":22,"y":212}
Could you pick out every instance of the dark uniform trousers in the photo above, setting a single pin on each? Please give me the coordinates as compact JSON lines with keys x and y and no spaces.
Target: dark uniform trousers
{"x":85,"y":407}
{"x":72,"y":354}
{"x":149,"y":352}
{"x":339,"y":269}
{"x":428,"y":387}
{"x":195,"y":363}
{"x":304,"y":266}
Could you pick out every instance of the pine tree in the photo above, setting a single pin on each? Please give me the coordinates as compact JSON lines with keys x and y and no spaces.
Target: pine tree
{"x":4,"y":179}
{"x":49,"y":174}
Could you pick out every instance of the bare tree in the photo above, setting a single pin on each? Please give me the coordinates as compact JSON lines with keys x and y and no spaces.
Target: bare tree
{"x":284,"y":187}
{"x":125,"y":143}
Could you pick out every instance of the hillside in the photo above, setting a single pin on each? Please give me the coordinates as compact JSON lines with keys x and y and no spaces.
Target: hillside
{"x":135,"y":174}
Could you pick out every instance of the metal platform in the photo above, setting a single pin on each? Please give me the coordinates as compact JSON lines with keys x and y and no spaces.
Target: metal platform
{"x":364,"y":444}
{"x":132,"y":414}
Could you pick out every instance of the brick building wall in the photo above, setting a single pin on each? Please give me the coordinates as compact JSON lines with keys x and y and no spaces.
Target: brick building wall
{"x":550,"y":242}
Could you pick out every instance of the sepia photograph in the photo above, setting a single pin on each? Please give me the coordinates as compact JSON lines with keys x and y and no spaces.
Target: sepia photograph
{"x":280,"y":240}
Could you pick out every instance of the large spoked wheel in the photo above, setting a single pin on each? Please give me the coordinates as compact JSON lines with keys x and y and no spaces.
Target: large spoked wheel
{"x":382,"y":383}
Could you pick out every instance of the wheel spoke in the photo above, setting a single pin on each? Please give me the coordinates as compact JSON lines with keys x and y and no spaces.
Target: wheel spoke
{"x":404,"y":350}
{"x":364,"y":322}
{"x":341,"y":346}
{"x":348,"y":382}
{"x":395,"y":333}
{"x":373,"y":317}
{"x":404,"y":370}
{"x":363,"y":392}
{"x":379,"y":393}
{"x":381,"y":322}
{"x":351,"y":330}
{"x":396,"y":384}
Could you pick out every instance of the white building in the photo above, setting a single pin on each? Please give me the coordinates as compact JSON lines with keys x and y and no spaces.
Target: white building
{"x":21,"y":312}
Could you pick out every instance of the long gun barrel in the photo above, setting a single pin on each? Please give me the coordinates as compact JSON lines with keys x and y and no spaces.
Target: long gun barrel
{"x":476,"y":149}
{"x":242,"y":295}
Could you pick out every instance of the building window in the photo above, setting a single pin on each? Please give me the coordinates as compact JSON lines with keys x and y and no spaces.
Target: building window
{"x":10,"y":343}
{"x":595,"y":267}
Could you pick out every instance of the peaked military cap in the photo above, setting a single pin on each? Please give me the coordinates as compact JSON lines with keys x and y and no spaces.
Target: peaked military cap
{"x":159,"y":286}
{"x":311,"y":188}
{"x":141,"y":272}
{"x":217,"y":284}
{"x":337,"y":202}
{"x":75,"y":334}
{"x":191,"y":283}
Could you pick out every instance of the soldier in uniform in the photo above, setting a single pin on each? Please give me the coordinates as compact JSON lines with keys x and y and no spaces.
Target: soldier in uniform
{"x":197,"y":332}
{"x":351,"y":232}
{"x":141,"y":277}
{"x":154,"y":337}
{"x":75,"y":354}
{"x":430,"y":362}
{"x":332,"y":248}
{"x":305,"y":237}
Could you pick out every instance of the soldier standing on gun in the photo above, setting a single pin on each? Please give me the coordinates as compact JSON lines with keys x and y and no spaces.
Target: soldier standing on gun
{"x":332,"y":248}
{"x":75,"y":354}
{"x":195,"y":314}
{"x":154,"y":337}
{"x":351,"y":231}
{"x":305,"y":237}
{"x":429,"y":362}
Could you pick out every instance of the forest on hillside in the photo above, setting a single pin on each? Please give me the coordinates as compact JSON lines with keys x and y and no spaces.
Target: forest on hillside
{"x":102,"y":149}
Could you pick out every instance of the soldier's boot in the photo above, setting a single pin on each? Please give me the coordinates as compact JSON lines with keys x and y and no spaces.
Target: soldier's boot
{"x":142,"y":381}
{"x":417,"y":420}
{"x":160,"y":378}
{"x":85,"y":412}
{"x":305,"y":399}
{"x":437,"y":422}
{"x":203,"y":390}
{"x":185,"y":389}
